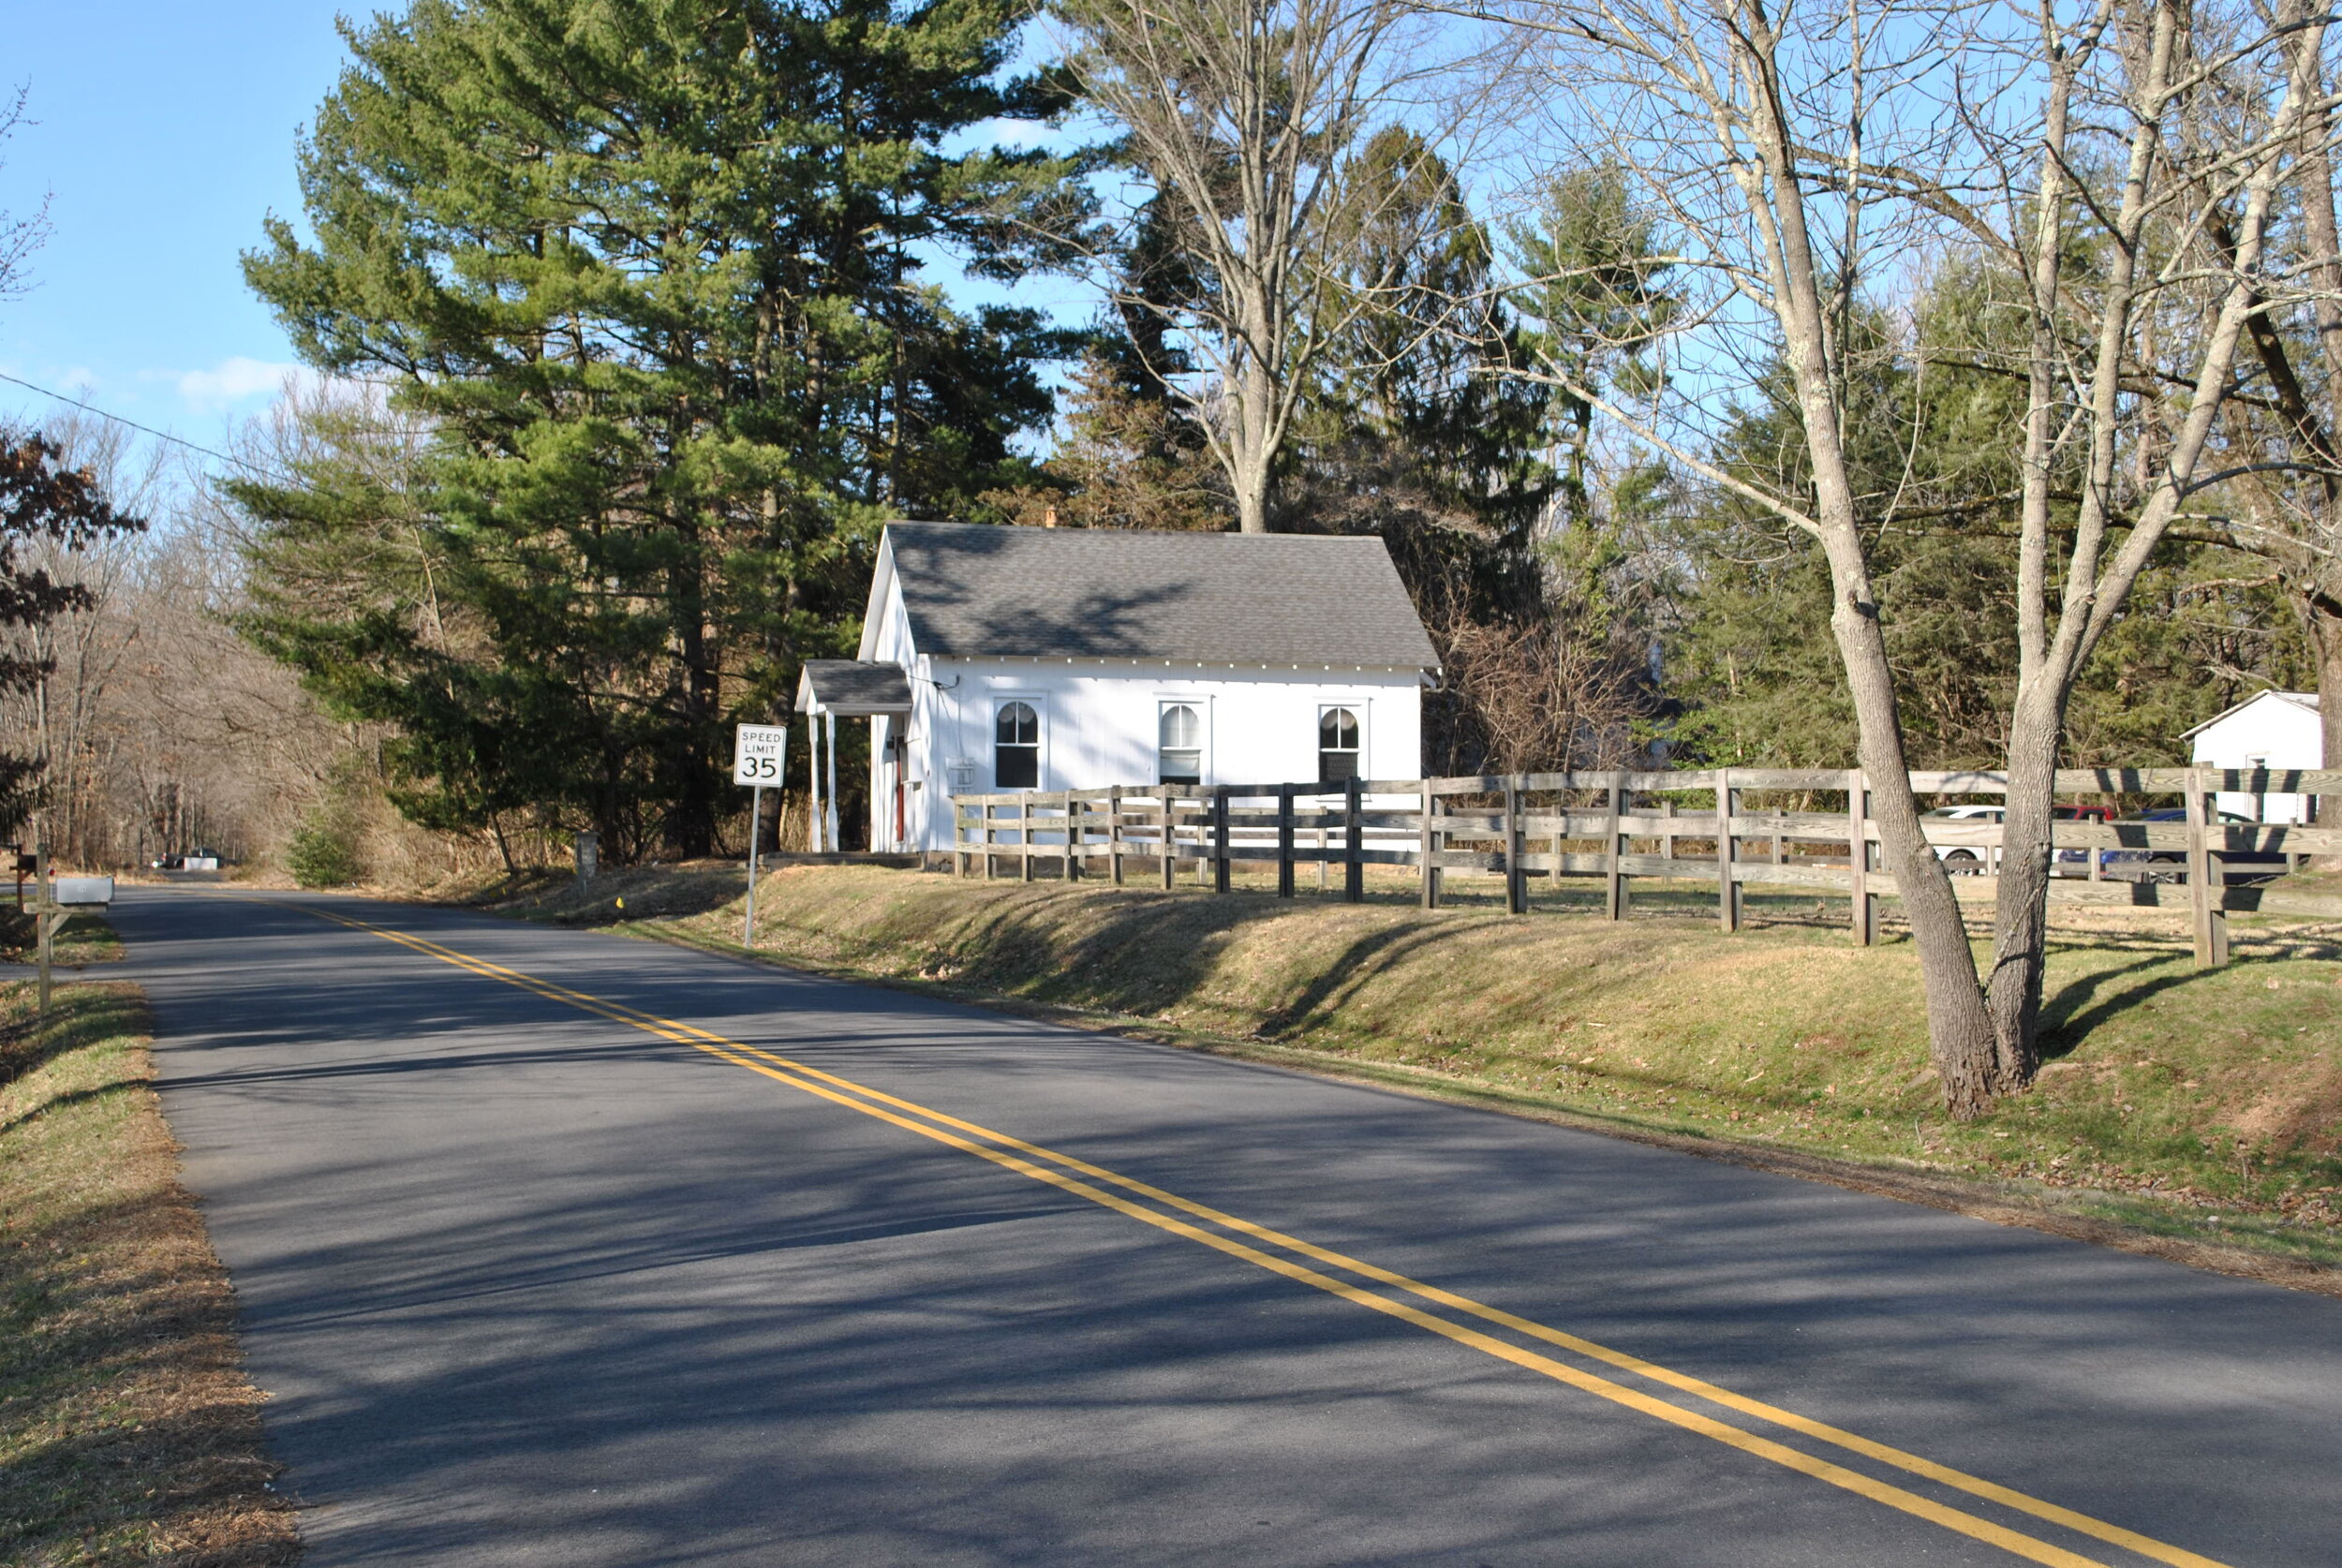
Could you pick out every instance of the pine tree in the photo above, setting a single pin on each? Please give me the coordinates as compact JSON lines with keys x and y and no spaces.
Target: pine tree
{"x":1482,"y":482}
{"x":1754,"y":663}
{"x":650,"y":277}
{"x":1123,"y":459}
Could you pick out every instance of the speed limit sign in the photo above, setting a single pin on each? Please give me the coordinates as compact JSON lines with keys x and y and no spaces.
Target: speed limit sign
{"x":758,"y":754}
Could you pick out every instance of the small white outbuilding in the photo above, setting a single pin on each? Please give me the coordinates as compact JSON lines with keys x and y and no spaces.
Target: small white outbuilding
{"x":997,"y":657}
{"x":2268,"y":730}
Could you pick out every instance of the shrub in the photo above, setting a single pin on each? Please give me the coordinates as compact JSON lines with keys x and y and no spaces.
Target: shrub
{"x":324,"y":852}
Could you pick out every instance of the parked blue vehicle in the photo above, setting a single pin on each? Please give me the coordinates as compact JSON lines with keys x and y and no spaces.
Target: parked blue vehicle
{"x":2170,"y":865}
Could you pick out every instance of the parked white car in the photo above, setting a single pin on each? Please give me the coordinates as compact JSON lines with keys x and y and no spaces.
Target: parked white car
{"x":1966,"y":860}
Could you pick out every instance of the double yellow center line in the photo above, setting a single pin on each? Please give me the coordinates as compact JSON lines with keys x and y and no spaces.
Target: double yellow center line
{"x":1401,"y":1298}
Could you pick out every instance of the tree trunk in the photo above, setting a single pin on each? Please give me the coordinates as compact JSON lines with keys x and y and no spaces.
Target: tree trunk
{"x":2021,"y":909}
{"x":1252,"y":451}
{"x":1252,"y":498}
{"x":1959,"y":1029}
{"x":2326,"y":634}
{"x":693,"y":830}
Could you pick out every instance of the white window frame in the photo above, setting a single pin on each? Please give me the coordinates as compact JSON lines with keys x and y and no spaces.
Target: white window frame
{"x":994,"y":700}
{"x":1201,"y":708}
{"x":1359,"y":709}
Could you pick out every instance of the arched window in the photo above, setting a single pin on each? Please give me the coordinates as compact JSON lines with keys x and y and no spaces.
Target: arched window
{"x":1181,"y":753}
{"x":1336,"y":746}
{"x":1017,"y":747}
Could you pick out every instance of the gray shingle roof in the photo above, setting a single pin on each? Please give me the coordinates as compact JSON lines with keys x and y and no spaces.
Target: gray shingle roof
{"x":848,"y":685}
{"x":976,"y":591}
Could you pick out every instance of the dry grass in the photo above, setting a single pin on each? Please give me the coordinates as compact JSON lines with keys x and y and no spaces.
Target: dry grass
{"x":128,"y":1433}
{"x":2203,"y":1109}
{"x":85,"y":938}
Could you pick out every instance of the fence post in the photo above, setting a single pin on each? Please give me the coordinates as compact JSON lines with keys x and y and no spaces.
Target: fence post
{"x":1427,"y":843}
{"x":1170,"y":841}
{"x":1072,"y":838}
{"x":2209,"y":920}
{"x":1613,"y":879}
{"x":987,"y":839}
{"x":1563,"y":812}
{"x":1114,"y":833}
{"x":1285,"y":840}
{"x":1516,"y":881}
{"x":1353,"y":868}
{"x":1025,"y":820}
{"x":1220,"y":865}
{"x":1865,"y":916}
{"x":1727,"y":891}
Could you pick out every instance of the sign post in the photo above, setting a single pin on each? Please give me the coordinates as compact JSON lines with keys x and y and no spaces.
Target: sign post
{"x":760,"y":755}
{"x":44,"y":927}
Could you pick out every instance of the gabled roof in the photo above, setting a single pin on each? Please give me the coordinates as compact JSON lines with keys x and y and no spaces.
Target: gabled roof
{"x":851,"y":688}
{"x":2299,"y":699}
{"x":978,"y":591}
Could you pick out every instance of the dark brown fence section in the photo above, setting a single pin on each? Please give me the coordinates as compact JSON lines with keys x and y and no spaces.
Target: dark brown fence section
{"x":1618,"y":827}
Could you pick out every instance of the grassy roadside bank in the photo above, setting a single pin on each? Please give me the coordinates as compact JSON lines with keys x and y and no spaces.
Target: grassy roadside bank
{"x":84,"y":939}
{"x":2204,"y":1109}
{"x":127,"y":1431}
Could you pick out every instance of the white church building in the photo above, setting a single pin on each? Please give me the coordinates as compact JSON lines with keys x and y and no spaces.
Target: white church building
{"x":1004,"y":658}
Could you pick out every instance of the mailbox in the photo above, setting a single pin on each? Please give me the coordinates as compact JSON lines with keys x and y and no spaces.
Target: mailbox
{"x":83,"y":893}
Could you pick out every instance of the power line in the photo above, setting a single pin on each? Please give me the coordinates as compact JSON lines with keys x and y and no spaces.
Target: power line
{"x":159,"y":434}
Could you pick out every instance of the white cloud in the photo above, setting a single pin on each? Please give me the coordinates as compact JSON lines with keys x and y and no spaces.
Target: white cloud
{"x":235,"y":380}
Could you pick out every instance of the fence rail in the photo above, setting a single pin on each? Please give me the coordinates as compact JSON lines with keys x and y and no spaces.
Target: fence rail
{"x":1595,"y":826}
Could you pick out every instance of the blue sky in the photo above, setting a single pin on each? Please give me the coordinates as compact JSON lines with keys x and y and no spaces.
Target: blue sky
{"x":165,"y":134}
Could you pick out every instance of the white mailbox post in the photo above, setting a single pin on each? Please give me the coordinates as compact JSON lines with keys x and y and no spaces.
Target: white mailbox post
{"x":59,"y":897}
{"x":760,"y":755}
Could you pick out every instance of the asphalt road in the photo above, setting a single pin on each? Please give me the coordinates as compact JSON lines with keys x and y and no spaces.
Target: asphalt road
{"x":579,"y":1261}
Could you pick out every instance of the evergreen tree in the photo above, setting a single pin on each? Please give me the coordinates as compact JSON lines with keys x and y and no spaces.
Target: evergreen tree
{"x":1592,"y":300}
{"x":1754,"y":661}
{"x":1404,"y":408}
{"x":649,"y":277}
{"x":1481,"y":480}
{"x":1124,"y":459}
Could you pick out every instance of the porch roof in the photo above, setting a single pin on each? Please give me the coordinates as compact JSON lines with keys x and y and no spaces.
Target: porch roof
{"x":852,"y":688}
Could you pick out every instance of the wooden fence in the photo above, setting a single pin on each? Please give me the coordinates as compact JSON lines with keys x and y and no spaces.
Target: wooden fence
{"x":1619,"y":826}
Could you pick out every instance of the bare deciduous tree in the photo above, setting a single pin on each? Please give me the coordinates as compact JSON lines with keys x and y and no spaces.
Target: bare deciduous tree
{"x":2290,"y":515}
{"x":161,"y":727}
{"x":1240,"y":115}
{"x":21,"y":234}
{"x":1807,"y":161}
